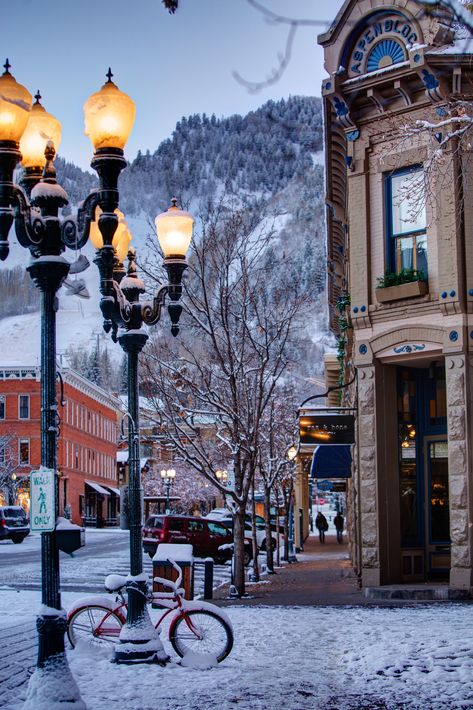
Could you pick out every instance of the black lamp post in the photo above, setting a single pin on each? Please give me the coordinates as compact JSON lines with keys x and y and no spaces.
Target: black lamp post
{"x":168,"y":475}
{"x":109,"y":116}
{"x":291,"y":554}
{"x":125,"y":316}
{"x":35,"y":212}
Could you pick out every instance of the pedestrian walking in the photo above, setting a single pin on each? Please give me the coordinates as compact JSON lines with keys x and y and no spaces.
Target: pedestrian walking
{"x":321,"y":525}
{"x":339,"y":522}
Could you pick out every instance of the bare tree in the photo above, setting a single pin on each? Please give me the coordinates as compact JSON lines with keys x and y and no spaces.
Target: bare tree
{"x":9,"y":480}
{"x":278,"y":435}
{"x":215,"y":384}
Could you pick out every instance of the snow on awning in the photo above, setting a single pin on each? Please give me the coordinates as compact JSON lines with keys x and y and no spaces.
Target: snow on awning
{"x":97,"y":488}
{"x":331,"y":462}
{"x":114,"y":490}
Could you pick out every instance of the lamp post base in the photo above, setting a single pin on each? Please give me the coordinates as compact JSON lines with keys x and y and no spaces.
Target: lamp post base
{"x":52,"y":685}
{"x":139,"y":641}
{"x":141,"y":652}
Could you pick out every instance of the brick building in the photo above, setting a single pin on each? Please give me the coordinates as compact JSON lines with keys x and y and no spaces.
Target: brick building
{"x":87,"y":443}
{"x":400,"y":250}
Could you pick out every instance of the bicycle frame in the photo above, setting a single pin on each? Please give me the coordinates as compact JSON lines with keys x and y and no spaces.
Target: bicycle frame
{"x":175,"y":603}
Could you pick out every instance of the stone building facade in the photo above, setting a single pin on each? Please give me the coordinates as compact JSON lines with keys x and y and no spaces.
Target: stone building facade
{"x":400,"y":245}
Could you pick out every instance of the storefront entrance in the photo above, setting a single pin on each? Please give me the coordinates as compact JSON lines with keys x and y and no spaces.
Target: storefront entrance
{"x":423,"y":473}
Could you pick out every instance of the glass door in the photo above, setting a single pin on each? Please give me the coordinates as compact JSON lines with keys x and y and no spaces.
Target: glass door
{"x":437,"y":520}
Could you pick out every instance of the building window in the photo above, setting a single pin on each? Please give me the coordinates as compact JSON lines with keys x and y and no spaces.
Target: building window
{"x":23,"y":451}
{"x":406,"y":221}
{"x":2,"y":453}
{"x":24,"y":406}
{"x":2,"y":406}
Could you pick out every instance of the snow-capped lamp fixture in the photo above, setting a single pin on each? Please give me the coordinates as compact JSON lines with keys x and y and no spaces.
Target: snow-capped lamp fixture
{"x":121,"y":239}
{"x":41,"y":128}
{"x":109,"y":117}
{"x":15,"y":107}
{"x":174,"y":229}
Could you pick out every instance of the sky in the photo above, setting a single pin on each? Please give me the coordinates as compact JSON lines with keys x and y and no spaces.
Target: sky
{"x":171,"y":65}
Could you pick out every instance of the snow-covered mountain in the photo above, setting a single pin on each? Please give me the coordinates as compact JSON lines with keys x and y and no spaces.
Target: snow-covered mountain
{"x":269,"y":159}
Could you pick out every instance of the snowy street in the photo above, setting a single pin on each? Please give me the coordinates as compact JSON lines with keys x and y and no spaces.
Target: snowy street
{"x":107,"y":548}
{"x":296,"y":658}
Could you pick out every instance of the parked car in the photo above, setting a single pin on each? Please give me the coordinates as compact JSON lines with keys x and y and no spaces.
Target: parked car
{"x":225,"y":514}
{"x":13,"y":523}
{"x":260,"y":533}
{"x":206,"y":536}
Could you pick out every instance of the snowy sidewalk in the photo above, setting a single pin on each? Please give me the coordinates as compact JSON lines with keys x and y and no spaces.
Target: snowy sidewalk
{"x":322,"y":576}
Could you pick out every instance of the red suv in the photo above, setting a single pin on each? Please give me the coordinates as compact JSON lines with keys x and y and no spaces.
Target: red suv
{"x":205,"y":536}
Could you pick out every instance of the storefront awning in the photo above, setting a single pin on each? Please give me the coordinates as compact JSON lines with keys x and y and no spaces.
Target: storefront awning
{"x":97,"y":488}
{"x":331,"y":462}
{"x":114,"y":490}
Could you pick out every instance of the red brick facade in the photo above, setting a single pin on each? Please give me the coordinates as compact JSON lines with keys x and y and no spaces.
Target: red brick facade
{"x":87,"y":443}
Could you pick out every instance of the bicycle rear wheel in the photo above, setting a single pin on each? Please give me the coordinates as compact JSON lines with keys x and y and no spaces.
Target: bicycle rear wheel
{"x":95,"y":624}
{"x":202,"y":632}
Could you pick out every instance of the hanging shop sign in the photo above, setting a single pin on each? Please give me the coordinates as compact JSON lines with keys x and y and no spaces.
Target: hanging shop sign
{"x":325,"y":428}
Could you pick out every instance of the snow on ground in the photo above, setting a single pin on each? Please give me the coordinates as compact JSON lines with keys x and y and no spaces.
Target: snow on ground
{"x":293,"y":658}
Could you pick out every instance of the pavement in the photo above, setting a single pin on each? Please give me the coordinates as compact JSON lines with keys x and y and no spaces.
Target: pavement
{"x":322,"y":576}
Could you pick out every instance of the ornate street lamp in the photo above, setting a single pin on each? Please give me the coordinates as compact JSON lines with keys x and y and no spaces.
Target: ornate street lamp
{"x":108,"y":116}
{"x":168,"y":475}
{"x":291,"y":554}
{"x":35,"y":212}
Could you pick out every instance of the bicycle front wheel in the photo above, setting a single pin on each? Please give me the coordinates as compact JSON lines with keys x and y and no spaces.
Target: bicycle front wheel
{"x":202,"y":632}
{"x":95,"y":624}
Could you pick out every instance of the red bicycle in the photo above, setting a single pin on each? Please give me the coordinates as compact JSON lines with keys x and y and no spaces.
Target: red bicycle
{"x":195,"y":627}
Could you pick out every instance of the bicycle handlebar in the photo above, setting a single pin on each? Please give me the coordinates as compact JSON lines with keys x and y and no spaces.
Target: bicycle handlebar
{"x":178,"y":569}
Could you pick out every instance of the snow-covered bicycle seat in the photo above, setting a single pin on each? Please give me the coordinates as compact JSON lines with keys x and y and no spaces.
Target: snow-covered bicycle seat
{"x":114,"y":582}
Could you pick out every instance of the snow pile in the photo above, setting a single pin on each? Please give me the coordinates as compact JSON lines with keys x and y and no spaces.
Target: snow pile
{"x":200,"y":661}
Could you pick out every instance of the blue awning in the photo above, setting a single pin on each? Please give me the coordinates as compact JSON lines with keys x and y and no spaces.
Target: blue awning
{"x":331,"y":462}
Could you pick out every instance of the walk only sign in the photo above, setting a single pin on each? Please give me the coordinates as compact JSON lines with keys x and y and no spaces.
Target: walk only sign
{"x":42,"y":500}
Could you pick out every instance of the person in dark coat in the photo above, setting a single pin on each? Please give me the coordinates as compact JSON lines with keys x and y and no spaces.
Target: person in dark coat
{"x":321,"y":525}
{"x":338,"y":522}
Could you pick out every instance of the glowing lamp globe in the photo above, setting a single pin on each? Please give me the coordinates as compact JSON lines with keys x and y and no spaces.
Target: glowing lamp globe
{"x":15,"y":107}
{"x":121,"y":239}
{"x":109,"y":116}
{"x":41,"y":128}
{"x":174,"y":230}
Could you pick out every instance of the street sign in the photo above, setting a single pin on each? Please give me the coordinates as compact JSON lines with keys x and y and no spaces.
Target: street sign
{"x":230,"y":478}
{"x":43,"y":500}
{"x":324,"y":485}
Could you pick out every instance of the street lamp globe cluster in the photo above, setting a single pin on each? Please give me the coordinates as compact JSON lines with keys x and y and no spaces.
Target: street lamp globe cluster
{"x":168,"y":475}
{"x":30,"y":135}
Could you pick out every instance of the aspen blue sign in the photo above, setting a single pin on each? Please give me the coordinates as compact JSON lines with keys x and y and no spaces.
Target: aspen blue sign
{"x":43,"y":500}
{"x":383,"y":42}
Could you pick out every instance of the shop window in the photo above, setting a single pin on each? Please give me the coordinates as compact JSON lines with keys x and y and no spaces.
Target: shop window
{"x":24,"y":406}
{"x":406,"y":221}
{"x":2,"y":406}
{"x":23,"y":451}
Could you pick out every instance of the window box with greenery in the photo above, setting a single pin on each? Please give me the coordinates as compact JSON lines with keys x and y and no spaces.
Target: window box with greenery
{"x":406,"y":234}
{"x":406,"y":284}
